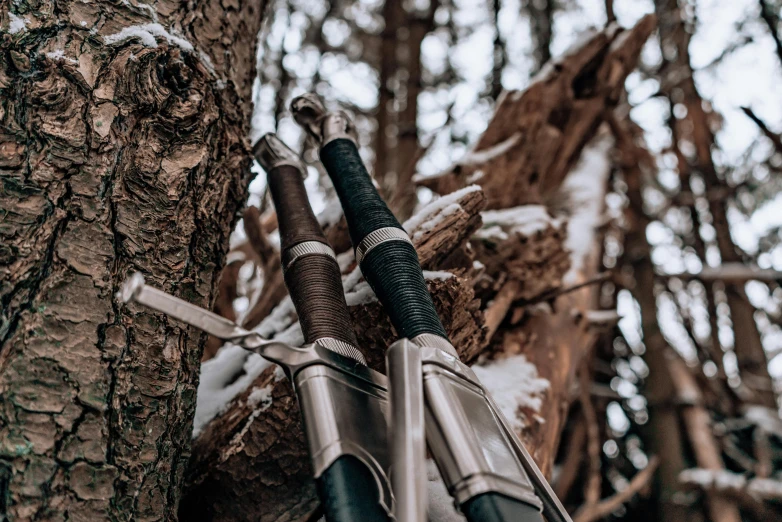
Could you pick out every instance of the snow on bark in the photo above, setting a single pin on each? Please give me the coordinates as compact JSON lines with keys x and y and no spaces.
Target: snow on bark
{"x":432,"y":214}
{"x":147,"y":34}
{"x":479,"y":157}
{"x":17,"y":23}
{"x":525,"y":220}
{"x":517,"y":389}
{"x":219,"y":384}
{"x":585,"y":186}
{"x":725,"y":481}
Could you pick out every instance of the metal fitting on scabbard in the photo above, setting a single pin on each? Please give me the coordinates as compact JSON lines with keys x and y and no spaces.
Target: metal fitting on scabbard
{"x":323,"y":126}
{"x":271,"y":152}
{"x":474,"y":448}
{"x":307,"y":248}
{"x":378,"y":237}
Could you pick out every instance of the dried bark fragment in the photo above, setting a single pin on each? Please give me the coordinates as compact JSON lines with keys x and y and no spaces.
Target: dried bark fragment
{"x":122,"y":151}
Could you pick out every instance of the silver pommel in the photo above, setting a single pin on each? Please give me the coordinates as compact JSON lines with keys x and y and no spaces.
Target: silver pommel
{"x":321,"y":125}
{"x":271,"y":152}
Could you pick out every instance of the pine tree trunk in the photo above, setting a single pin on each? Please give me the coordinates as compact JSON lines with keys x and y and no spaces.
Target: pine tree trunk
{"x":748,"y":346}
{"x":122,"y":150}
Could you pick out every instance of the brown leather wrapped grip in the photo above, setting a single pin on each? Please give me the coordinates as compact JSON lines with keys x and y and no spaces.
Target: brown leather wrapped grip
{"x":316,"y":289}
{"x":313,"y":280}
{"x":296,"y":221}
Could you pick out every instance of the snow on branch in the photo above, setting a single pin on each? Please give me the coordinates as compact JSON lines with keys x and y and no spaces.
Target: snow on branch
{"x":732,"y":272}
{"x":435,"y":212}
{"x":726,"y":481}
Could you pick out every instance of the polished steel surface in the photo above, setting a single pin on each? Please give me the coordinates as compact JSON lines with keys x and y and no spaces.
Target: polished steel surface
{"x":308,"y":111}
{"x":434,"y":341}
{"x":472,"y":449}
{"x":472,"y":443}
{"x":378,"y":237}
{"x":134,"y":289}
{"x":345,"y":415}
{"x":406,"y":433}
{"x":344,"y":403}
{"x":271,"y":152}
{"x":306,"y":248}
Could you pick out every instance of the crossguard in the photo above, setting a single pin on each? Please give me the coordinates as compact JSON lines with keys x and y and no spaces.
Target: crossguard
{"x":136,"y":290}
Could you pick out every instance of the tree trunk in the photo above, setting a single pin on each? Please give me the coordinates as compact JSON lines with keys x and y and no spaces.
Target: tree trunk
{"x":663,"y":432}
{"x":674,"y":41}
{"x":123,"y":148}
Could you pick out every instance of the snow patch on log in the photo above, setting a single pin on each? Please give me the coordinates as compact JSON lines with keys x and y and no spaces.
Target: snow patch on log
{"x":147,"y":33}
{"x":585,"y":186}
{"x":440,"y":501}
{"x":433,"y":213}
{"x":479,"y":157}
{"x":431,"y":275}
{"x":525,"y":220}
{"x":514,"y":384}
{"x":262,"y":396}
{"x":361,"y":294}
{"x":216,"y":389}
{"x":219,"y":385}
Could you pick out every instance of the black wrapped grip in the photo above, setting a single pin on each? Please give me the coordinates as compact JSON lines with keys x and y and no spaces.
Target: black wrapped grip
{"x":493,"y":507}
{"x":365,"y":211}
{"x":348,"y":478}
{"x":392,"y":268}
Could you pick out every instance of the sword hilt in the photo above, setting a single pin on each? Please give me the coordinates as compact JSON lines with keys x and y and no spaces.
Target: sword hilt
{"x":310,"y":269}
{"x":384,"y":252}
{"x":347,"y":486}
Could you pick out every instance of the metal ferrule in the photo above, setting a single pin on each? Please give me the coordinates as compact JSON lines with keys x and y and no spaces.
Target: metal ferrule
{"x":271,"y":152}
{"x":321,"y":125}
{"x":345,"y":410}
{"x":434,"y":341}
{"x":406,"y":431}
{"x":342,"y":348}
{"x":338,"y":125}
{"x":306,"y":248}
{"x":378,"y":237}
{"x":472,"y":445}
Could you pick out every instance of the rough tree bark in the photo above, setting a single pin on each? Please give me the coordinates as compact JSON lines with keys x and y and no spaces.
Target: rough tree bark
{"x":121,"y":149}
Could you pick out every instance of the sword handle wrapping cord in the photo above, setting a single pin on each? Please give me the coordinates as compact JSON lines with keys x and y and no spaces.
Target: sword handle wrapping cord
{"x":312,"y":276}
